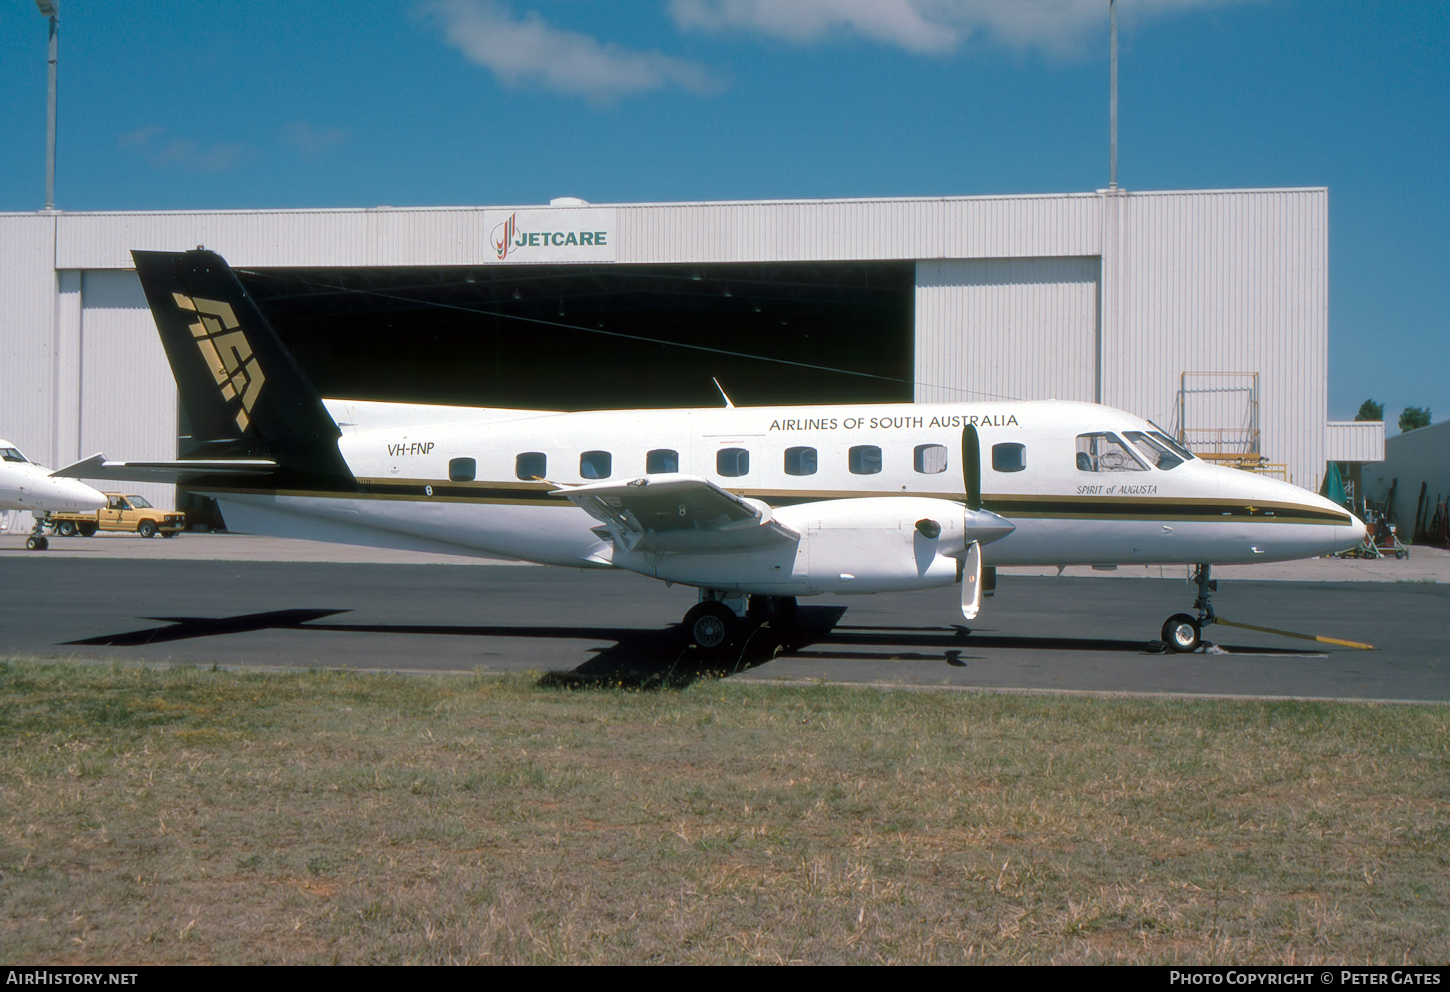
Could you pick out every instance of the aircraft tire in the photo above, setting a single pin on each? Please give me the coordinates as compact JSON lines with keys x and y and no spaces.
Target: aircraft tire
{"x":712,"y":626}
{"x":146,"y":529}
{"x":1182,"y":634}
{"x":34,"y":543}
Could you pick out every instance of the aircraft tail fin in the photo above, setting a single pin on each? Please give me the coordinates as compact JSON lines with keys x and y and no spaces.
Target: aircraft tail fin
{"x":242,"y":391}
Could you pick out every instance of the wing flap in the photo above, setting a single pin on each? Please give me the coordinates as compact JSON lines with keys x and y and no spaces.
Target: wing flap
{"x":678,"y":513}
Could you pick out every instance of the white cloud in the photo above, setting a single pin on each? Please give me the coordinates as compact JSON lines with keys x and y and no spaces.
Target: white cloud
{"x":528,"y":51}
{"x":312,"y":141}
{"x":923,"y":26}
{"x":161,"y":151}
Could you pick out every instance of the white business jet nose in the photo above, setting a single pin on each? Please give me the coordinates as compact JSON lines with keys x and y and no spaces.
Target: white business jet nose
{"x":77,"y":495}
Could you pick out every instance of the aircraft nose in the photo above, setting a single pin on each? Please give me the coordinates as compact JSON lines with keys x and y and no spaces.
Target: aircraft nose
{"x":82,"y":495}
{"x":1353,"y":536}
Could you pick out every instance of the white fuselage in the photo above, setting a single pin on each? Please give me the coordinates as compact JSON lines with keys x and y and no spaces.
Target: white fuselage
{"x":1067,"y":508}
{"x":30,"y":487}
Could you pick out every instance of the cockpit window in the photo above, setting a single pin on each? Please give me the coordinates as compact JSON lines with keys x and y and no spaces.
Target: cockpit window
{"x":1174,"y":446}
{"x":12,"y":455}
{"x":1156,"y":454}
{"x":1105,"y":452}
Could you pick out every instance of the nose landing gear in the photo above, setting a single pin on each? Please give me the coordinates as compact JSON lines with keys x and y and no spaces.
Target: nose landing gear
{"x":1183,"y":632}
{"x":37,"y":540}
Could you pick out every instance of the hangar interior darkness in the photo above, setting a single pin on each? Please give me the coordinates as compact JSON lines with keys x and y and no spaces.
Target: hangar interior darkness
{"x":582,"y":337}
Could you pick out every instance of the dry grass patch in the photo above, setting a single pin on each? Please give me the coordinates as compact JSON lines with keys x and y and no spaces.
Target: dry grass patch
{"x":198,"y":816}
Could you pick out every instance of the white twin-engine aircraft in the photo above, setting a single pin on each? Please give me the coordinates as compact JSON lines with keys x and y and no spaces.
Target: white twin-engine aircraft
{"x":754,"y":506}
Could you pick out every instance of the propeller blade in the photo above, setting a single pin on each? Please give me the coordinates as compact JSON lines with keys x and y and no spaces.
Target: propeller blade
{"x":972,"y":467}
{"x":972,"y":581}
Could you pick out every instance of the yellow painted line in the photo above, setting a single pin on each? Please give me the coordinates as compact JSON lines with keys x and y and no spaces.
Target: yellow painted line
{"x":1290,"y":633}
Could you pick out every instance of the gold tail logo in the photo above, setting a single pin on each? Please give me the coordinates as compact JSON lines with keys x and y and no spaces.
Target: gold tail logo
{"x":227,"y":352}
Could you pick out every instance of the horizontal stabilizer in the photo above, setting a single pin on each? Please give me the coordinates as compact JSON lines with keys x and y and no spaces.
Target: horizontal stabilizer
{"x":97,"y":467}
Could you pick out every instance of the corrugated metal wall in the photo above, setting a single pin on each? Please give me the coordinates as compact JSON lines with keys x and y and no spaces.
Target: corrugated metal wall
{"x":831,"y":230}
{"x":1356,"y":441}
{"x":28,"y":301}
{"x":985,"y":328}
{"x":127,"y":393}
{"x":818,"y":230}
{"x":1222,"y":281}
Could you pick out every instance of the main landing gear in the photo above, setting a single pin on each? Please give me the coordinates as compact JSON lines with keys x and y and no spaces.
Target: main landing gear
{"x":36,"y":541}
{"x":1184,"y":633}
{"x":714,"y":625}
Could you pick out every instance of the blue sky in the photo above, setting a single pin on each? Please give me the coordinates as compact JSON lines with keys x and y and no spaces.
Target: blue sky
{"x":178,"y":104}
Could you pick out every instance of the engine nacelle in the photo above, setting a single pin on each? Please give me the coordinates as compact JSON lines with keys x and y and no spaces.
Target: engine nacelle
{"x":878,"y":544}
{"x":871,"y":544}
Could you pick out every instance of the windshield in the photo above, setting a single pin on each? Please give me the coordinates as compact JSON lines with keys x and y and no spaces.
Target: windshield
{"x":1181,"y":451}
{"x":139,"y":502}
{"x":1157,"y":455}
{"x":12,"y":455}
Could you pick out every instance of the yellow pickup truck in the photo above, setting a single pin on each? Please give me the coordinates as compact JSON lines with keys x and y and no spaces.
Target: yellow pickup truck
{"x":124,"y":513}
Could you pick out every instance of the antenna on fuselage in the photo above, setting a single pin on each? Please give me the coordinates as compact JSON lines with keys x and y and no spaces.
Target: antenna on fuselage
{"x":728,"y":404}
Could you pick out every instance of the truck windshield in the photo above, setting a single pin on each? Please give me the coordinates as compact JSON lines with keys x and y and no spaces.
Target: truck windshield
{"x":139,"y":502}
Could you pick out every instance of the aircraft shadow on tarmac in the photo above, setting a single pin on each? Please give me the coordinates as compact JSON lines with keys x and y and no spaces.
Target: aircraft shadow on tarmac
{"x":661,"y":657}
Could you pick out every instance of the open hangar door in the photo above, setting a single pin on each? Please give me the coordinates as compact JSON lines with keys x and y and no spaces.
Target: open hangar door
{"x":581,"y":337}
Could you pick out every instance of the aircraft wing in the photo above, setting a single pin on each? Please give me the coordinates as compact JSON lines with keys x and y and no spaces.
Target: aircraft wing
{"x":678,"y":513}
{"x":97,"y":467}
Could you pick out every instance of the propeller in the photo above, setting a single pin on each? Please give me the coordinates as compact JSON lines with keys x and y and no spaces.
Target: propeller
{"x":981,"y":526}
{"x":972,"y":581}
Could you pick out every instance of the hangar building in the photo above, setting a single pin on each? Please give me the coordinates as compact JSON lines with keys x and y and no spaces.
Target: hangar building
{"x":1206,"y":311}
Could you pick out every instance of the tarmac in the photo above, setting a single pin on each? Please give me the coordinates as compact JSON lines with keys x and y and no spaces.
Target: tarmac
{"x":1424,"y":564}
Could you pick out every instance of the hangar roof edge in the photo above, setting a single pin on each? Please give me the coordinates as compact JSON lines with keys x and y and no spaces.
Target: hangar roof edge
{"x":799,"y":201}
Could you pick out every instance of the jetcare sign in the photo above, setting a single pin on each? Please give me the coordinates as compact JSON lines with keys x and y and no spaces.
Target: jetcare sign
{"x":555,"y":234}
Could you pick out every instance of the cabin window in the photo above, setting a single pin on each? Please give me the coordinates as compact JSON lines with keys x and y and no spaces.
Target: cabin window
{"x":732,"y":462}
{"x":531,"y":465}
{"x":662,"y":460}
{"x":864,"y":459}
{"x":800,"y":461}
{"x":462,"y":469}
{"x":11,"y":455}
{"x":595,"y":464}
{"x":1157,"y":454}
{"x":929,"y":459}
{"x":1105,"y":452}
{"x":1009,"y":457}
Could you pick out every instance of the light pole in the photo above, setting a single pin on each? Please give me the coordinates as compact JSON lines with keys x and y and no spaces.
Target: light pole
{"x":1112,"y":97}
{"x":50,"y":9}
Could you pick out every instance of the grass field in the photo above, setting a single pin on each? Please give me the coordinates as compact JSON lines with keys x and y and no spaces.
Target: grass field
{"x":153,"y":816}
